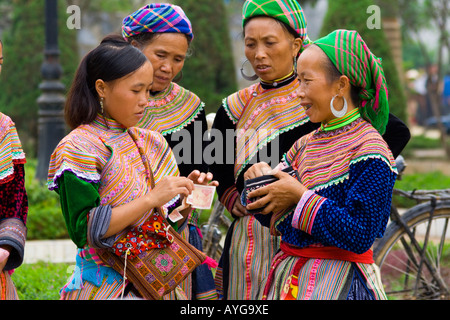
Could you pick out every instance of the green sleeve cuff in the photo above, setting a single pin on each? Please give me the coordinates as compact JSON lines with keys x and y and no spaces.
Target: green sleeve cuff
{"x":77,"y":198}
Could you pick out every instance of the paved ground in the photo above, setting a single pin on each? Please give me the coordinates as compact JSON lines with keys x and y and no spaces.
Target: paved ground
{"x":50,"y":251}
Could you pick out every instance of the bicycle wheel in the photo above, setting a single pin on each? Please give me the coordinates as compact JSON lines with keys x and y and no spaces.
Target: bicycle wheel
{"x":406,"y":272}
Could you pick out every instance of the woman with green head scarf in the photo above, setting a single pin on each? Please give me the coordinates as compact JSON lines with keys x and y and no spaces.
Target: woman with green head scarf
{"x":266,"y":118}
{"x":329,"y":217}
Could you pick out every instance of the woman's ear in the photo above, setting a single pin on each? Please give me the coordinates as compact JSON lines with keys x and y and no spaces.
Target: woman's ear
{"x":344,"y":84}
{"x":296,"y":46}
{"x":100,"y":87}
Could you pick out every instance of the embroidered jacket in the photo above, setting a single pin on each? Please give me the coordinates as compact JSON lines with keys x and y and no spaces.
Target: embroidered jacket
{"x":171,"y":111}
{"x":350,"y":173}
{"x":13,"y":196}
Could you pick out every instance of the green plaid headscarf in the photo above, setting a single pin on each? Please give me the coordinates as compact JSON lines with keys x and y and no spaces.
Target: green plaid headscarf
{"x":287,"y":11}
{"x":351,"y":56}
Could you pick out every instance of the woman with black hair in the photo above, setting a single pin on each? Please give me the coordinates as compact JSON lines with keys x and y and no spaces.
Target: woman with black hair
{"x":111,"y":176}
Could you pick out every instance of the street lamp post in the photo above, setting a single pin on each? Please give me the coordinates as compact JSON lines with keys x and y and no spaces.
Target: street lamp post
{"x":51,"y":128}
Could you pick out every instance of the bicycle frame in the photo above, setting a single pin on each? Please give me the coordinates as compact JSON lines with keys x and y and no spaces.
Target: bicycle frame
{"x":396,"y":217}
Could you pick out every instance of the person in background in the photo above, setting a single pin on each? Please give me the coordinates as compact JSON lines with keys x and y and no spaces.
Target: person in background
{"x":13,"y":203}
{"x":164,"y":34}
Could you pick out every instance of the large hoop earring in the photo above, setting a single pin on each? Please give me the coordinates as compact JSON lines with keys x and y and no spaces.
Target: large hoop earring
{"x":246,"y":77}
{"x":179,"y":77}
{"x":340,"y":113}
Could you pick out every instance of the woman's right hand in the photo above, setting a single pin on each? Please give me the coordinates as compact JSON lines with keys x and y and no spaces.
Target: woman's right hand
{"x":168,"y":188}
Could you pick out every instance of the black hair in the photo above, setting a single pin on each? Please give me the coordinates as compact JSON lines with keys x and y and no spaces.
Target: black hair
{"x":333,"y":74}
{"x":113,"y":59}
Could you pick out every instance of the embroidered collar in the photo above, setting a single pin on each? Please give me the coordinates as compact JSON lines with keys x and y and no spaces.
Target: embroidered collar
{"x":340,"y":122}
{"x":107,"y":124}
{"x":171,"y":110}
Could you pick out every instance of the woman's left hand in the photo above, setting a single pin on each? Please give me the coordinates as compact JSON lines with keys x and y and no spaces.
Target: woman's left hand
{"x":279,"y":195}
{"x":202,"y":178}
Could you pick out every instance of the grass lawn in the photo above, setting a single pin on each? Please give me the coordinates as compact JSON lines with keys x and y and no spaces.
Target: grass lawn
{"x":41,"y":281}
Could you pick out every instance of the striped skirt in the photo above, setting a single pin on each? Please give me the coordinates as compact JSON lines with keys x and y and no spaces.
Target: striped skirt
{"x":250,"y":254}
{"x":7,"y":288}
{"x":324,"y":279}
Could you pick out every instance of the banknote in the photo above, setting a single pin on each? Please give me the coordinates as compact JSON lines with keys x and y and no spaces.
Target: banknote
{"x":202,"y":196}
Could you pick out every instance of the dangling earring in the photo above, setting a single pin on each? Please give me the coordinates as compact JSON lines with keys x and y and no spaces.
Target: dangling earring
{"x":336,"y":113}
{"x":295,"y":65}
{"x":101,"y":105}
{"x":179,"y":77}
{"x":249,"y":78}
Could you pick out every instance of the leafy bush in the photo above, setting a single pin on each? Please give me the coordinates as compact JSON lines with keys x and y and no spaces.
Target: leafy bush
{"x":45,"y":219}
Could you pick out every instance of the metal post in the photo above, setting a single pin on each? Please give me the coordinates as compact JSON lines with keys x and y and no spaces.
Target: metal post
{"x":51,"y":127}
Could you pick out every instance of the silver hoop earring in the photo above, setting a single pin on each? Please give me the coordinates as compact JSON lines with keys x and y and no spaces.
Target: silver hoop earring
{"x":179,"y":77}
{"x":249,"y":78}
{"x":336,"y":113}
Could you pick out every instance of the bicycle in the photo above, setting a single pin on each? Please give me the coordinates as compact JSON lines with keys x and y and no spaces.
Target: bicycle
{"x":411,"y":247}
{"x":414,"y":253}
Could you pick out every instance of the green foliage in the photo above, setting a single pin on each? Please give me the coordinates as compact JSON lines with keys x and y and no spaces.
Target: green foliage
{"x":21,"y":74}
{"x":209,"y":72}
{"x":45,"y":219}
{"x":41,"y":281}
{"x":424,"y":181}
{"x":343,"y":14}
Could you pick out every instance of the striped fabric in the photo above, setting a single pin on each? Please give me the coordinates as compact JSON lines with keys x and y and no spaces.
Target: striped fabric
{"x":253,"y":242}
{"x":171,"y":110}
{"x":157,"y":18}
{"x":262,"y":115}
{"x":286,"y":11}
{"x":11,"y":151}
{"x":322,"y":279}
{"x":7,"y":288}
{"x":337,"y":151}
{"x":351,"y":56}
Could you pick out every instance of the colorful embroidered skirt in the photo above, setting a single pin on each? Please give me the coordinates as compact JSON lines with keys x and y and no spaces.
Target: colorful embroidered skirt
{"x":249,"y":254}
{"x":324,"y":279}
{"x":7,"y":287}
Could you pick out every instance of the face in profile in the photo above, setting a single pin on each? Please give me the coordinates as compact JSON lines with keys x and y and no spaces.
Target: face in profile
{"x":167,"y":53}
{"x":315,"y":91}
{"x":125,"y":99}
{"x":270,"y":48}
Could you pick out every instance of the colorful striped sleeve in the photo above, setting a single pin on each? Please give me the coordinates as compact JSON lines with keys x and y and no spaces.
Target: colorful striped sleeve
{"x":306,"y":210}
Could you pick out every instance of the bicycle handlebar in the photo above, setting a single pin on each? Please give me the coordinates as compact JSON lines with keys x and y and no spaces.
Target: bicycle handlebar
{"x":424,"y":195}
